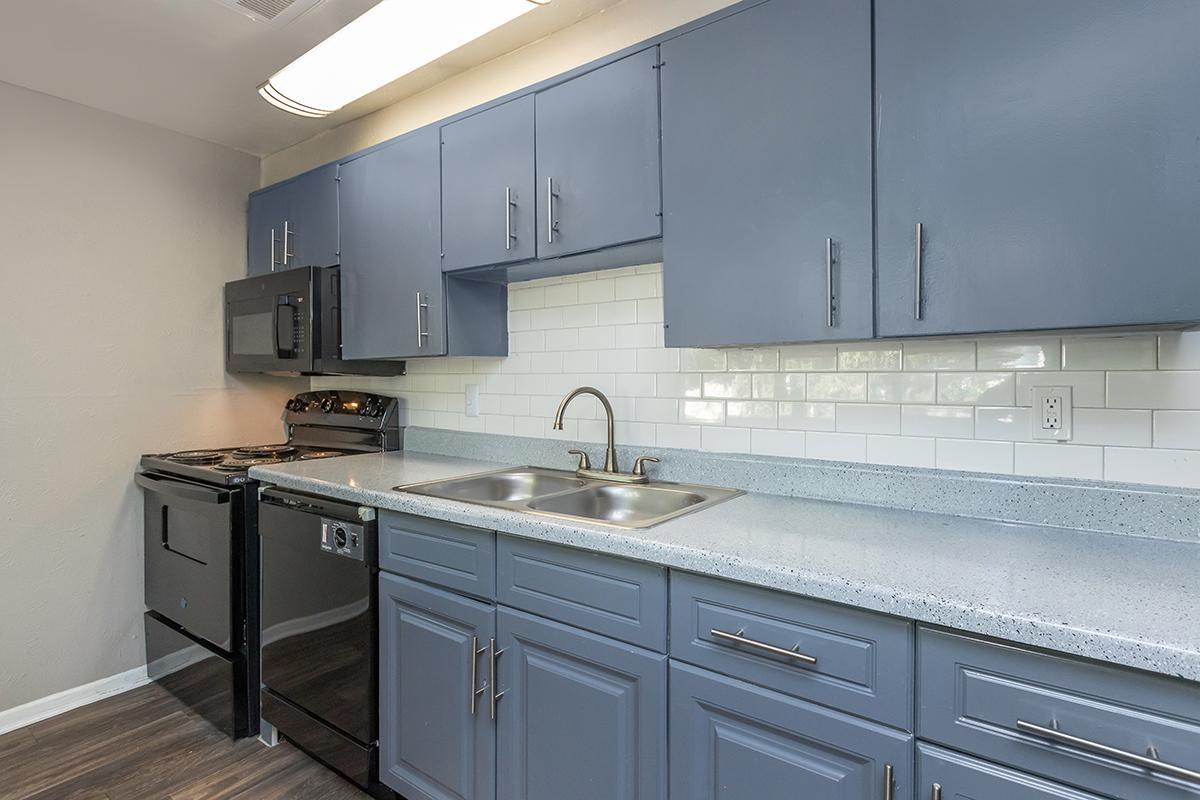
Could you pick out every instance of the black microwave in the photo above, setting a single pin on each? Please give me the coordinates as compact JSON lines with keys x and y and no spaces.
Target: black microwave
{"x":290,"y":323}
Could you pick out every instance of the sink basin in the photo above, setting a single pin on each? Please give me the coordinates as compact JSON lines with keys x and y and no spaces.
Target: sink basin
{"x":619,"y":503}
{"x":554,"y":493}
{"x":503,"y":487}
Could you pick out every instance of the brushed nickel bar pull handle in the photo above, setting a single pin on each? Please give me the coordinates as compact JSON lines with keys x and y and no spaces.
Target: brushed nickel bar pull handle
{"x":829,"y":283}
{"x":919,"y":273}
{"x":738,"y":638}
{"x":889,"y":781}
{"x":1149,"y":762}
{"x":508,"y":205}
{"x":287,"y":233}
{"x":422,"y":333}
{"x":492,"y":674}
{"x":476,"y":652}
{"x":937,"y":791}
{"x":273,"y":241}
{"x":551,"y":226}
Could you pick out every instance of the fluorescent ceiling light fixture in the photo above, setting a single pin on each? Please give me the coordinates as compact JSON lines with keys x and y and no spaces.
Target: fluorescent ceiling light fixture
{"x":389,"y":41}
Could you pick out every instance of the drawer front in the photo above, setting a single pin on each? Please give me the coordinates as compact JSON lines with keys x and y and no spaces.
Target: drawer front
{"x":626,"y":600}
{"x":944,"y":775}
{"x":982,"y":698}
{"x":454,"y":556}
{"x":863,"y":661}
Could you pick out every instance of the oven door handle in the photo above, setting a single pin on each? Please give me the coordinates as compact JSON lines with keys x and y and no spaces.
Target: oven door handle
{"x":183,"y":491}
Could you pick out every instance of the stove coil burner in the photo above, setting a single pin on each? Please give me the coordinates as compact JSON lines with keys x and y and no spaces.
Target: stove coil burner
{"x":242,"y":464}
{"x":265,"y":451}
{"x":312,"y":454}
{"x":198,"y":457}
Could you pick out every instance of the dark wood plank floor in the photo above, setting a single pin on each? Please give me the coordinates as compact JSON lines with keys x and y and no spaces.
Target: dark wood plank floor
{"x":146,"y":745}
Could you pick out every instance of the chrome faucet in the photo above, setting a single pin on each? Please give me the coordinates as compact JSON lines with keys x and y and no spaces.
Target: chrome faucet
{"x":610,"y":471}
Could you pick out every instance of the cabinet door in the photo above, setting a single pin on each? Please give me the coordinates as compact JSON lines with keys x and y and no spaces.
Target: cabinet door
{"x":582,"y":716}
{"x":392,"y":293}
{"x":488,"y":197}
{"x":1049,"y":153}
{"x":766,"y":119}
{"x":434,"y":743}
{"x":734,"y":741}
{"x":598,"y":176}
{"x":265,"y":216}
{"x":312,"y":219}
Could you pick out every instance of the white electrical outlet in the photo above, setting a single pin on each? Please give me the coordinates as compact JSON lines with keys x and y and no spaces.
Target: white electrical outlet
{"x":472,"y":399}
{"x":1052,"y":413}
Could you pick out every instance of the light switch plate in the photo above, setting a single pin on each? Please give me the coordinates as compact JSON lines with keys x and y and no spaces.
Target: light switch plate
{"x":1052,"y":414}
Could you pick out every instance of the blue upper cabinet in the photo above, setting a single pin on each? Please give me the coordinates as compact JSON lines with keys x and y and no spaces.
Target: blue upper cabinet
{"x":598,"y":176}
{"x":393,"y":300}
{"x":488,"y":197}
{"x":1049,"y":154}
{"x":294,"y":224}
{"x":766,"y":120}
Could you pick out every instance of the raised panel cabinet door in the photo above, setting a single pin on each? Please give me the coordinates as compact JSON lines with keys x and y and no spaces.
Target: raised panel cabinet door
{"x":581,"y":716}
{"x":735,"y":741}
{"x":488,"y":198}
{"x":1049,"y":153}
{"x":598,"y":175}
{"x":436,"y":738}
{"x":312,"y":221}
{"x":265,"y":215}
{"x":393,"y":299}
{"x":766,"y":125}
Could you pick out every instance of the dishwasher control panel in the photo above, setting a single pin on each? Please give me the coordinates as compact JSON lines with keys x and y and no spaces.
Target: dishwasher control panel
{"x":342,"y":538}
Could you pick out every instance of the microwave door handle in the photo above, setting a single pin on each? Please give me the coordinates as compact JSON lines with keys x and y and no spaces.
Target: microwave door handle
{"x":280,"y":350}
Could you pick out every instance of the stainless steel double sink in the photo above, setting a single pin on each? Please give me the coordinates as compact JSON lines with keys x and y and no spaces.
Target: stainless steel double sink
{"x":555,"y":493}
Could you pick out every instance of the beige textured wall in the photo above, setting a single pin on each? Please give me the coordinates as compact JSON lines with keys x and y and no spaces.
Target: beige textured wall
{"x":616,"y":28}
{"x":115,"y":240}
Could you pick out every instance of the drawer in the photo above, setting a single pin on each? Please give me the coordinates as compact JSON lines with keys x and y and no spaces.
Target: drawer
{"x":454,"y":556}
{"x":863,"y":660}
{"x":626,"y":600}
{"x":959,"y":777}
{"x":981,"y":698}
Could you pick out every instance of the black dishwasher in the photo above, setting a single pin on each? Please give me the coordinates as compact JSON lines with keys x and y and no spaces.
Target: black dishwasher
{"x":319,"y":639}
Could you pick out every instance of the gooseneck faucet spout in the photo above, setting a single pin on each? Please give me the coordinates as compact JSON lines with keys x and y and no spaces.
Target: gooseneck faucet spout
{"x":610,"y":455}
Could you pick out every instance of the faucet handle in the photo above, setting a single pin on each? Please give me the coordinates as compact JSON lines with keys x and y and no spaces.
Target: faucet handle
{"x":584,"y":461}
{"x":639,"y":468}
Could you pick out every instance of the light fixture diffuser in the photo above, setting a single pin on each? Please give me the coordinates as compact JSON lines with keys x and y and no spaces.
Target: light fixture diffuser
{"x":388,"y":41}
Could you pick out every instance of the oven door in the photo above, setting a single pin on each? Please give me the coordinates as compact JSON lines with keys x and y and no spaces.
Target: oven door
{"x":269,"y":323}
{"x":189,"y":556}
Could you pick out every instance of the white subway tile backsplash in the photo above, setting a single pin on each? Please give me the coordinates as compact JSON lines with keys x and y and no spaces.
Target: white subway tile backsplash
{"x":837,"y":386}
{"x":1013,"y":354}
{"x":1170,"y":467}
{"x":976,"y":388}
{"x":1177,"y":429}
{"x":1113,"y":427}
{"x":807,"y":416}
{"x":901,"y":451}
{"x":948,"y":422}
{"x":957,"y":404}
{"x":867,"y":418}
{"x":973,"y":455}
{"x":1154,"y":390}
{"x":789,"y":444}
{"x":836,"y":446}
{"x":726,"y":385}
{"x":902,"y":387}
{"x":1137,"y":351}
{"x":1055,"y":460}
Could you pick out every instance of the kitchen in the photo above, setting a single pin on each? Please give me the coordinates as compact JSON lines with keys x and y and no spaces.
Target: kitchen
{"x":601,"y":399}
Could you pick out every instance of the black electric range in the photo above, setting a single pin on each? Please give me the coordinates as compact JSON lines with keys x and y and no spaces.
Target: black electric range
{"x":202,"y":560}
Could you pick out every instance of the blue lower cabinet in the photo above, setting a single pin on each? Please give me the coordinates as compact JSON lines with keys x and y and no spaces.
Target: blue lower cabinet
{"x":436,"y":738}
{"x":734,"y":741}
{"x":580,"y":717}
{"x":945,"y":775}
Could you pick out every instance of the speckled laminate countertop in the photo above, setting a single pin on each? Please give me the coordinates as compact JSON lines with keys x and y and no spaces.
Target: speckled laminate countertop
{"x":1123,"y":599}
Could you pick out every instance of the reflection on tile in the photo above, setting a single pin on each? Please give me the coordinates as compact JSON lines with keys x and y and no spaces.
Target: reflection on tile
{"x":727,"y":385}
{"x":849,"y":386}
{"x":807,"y":416}
{"x":901,"y":387}
{"x":808,"y":358}
{"x":702,"y":360}
{"x":939,"y":355}
{"x":750,"y":414}
{"x":1004,"y":354}
{"x":702,"y":412}
{"x":753,"y":360}
{"x":875,"y":357}
{"x":779,"y":386}
{"x":977,"y":388}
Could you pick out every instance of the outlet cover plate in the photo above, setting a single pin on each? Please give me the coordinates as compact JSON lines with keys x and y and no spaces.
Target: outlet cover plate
{"x":1053,"y":414}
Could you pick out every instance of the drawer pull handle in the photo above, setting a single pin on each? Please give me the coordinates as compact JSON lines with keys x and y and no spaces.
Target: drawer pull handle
{"x":937,"y":791}
{"x":1152,"y":764}
{"x":476,"y":652}
{"x":495,"y":654}
{"x":889,"y":781}
{"x":738,"y":638}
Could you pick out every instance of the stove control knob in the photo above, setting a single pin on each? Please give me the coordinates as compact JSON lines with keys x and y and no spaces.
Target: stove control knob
{"x":328,"y":404}
{"x":366,"y":408}
{"x":296,"y":404}
{"x":339,"y":537}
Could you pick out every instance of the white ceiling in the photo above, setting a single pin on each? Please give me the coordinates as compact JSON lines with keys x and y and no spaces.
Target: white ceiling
{"x":193,"y":66}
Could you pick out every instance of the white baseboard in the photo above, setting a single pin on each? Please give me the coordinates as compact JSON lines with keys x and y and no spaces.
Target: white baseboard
{"x":55,"y":704}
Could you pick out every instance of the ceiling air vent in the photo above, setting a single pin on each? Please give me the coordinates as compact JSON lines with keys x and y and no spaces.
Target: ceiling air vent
{"x":277,"y":11}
